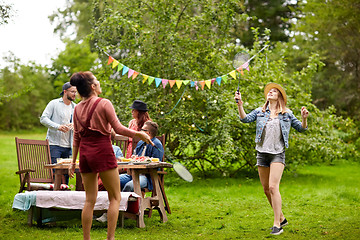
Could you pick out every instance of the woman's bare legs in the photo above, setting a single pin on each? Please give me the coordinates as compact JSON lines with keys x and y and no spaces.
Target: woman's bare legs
{"x":111,"y":181}
{"x":90,"y":181}
{"x":270,"y":180}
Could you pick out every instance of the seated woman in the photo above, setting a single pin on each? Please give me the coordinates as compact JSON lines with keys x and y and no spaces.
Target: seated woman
{"x":142,"y":149}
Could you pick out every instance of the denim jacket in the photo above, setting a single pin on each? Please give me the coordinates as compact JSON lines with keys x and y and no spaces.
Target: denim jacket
{"x":287,"y":120}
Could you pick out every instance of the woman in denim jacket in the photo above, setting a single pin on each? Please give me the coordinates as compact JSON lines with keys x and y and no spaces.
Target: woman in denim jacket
{"x":273,"y":122}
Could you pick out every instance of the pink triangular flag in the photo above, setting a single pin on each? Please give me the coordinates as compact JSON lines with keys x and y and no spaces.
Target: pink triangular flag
{"x":130,"y":73}
{"x":196,"y":86}
{"x":164,"y":82}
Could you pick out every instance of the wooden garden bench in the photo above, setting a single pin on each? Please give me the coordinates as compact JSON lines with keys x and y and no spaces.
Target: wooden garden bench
{"x":32,"y":155}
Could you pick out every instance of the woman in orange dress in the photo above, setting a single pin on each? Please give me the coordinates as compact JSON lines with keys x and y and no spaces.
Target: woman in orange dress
{"x":140,"y":115}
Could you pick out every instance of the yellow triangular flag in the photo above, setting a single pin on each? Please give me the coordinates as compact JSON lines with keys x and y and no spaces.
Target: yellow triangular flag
{"x":115,"y":63}
{"x":233,"y":74}
{"x":178,"y":83}
{"x":145,"y":77}
{"x":208,"y":83}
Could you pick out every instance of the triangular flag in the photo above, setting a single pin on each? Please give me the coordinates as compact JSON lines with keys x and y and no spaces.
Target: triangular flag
{"x":115,"y":63}
{"x":164,"y":82}
{"x":246,"y":66}
{"x":224,"y":78}
{"x":196,"y":85}
{"x":130,"y":73}
{"x":157,"y":81}
{"x":172,"y":82}
{"x":233,"y":74}
{"x":150,"y":80}
{"x":145,"y":77}
{"x":213,"y":80}
{"x":192,"y":83}
{"x":125,"y":70}
{"x":178,"y":83}
{"x":202,"y":83}
{"x":120,"y":66}
{"x":185,"y":82}
{"x":135,"y":74}
{"x":110,"y":60}
{"x":208,"y":83}
{"x":240,"y":69}
{"x":218,"y":80}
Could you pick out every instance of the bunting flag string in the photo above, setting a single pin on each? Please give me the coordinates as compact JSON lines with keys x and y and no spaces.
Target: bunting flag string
{"x":202,"y":83}
{"x":131,"y":73}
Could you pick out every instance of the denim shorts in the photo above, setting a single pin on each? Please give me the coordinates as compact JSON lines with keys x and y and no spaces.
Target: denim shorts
{"x":265,"y":159}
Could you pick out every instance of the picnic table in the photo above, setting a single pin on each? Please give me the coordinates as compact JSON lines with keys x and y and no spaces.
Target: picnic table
{"x":153,"y":202}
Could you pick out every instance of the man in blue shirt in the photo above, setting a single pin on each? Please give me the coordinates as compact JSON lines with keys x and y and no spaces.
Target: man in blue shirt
{"x":57,"y":117}
{"x":142,"y":149}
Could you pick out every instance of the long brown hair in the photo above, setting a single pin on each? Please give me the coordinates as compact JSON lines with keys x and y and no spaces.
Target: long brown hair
{"x":280,"y":105}
{"x":143,"y":116}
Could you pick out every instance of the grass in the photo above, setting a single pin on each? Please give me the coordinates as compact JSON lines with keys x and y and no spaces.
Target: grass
{"x":320,"y":202}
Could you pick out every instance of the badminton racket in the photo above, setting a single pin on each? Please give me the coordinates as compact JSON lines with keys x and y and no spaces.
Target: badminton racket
{"x":179,"y":168}
{"x":240,"y":61}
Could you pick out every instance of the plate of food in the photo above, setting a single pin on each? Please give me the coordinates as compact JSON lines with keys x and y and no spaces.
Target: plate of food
{"x":139,"y":163}
{"x":123,"y":163}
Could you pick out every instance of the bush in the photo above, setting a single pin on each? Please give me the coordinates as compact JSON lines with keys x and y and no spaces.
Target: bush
{"x":25,"y":91}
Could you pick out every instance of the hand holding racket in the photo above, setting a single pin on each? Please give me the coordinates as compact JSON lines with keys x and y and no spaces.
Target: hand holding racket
{"x":241,"y":61}
{"x":238,"y":97}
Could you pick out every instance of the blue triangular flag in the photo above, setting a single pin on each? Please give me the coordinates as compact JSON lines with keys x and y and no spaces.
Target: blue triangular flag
{"x":157,"y":81}
{"x":125,"y":70}
{"x":218,"y":80}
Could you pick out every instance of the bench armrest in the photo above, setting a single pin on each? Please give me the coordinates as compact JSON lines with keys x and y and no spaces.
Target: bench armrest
{"x":25,"y":171}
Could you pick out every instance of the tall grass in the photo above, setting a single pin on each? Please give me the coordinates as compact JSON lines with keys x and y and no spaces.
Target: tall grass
{"x":320,"y":202}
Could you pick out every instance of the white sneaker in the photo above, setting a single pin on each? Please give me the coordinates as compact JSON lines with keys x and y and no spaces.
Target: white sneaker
{"x":103,"y":218}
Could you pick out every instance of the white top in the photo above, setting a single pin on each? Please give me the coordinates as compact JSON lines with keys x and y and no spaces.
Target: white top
{"x":271,"y":138}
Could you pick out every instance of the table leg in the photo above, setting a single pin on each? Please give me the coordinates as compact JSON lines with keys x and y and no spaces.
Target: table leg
{"x":79,"y":185}
{"x":58,"y":176}
{"x":158,"y":195}
{"x":137,"y":190}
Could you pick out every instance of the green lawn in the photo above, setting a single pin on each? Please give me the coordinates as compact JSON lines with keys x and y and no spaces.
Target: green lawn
{"x":320,"y":202}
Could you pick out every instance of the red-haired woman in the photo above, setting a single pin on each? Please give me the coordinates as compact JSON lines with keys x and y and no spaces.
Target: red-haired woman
{"x":273,"y":122}
{"x":140,"y":115}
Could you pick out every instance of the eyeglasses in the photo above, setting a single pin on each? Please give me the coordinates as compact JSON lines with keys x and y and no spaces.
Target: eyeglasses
{"x":145,"y":130}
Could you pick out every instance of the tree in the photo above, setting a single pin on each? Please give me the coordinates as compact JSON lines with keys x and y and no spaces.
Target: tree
{"x":276,"y":15}
{"x":5,"y":13}
{"x":28,"y":89}
{"x":192,"y":40}
{"x":76,"y":57}
{"x":332,"y":28}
